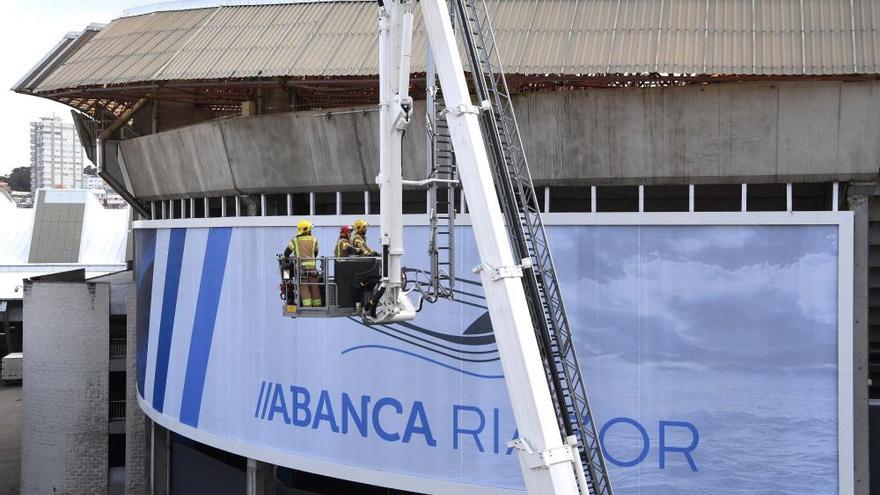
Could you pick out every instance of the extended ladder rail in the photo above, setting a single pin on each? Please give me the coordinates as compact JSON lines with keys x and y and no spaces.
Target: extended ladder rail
{"x":441,"y":194}
{"x":522,"y":213}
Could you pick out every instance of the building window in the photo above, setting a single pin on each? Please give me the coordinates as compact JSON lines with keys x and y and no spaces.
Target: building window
{"x":617,"y":198}
{"x":300,"y":203}
{"x":325,"y":203}
{"x":667,"y":198}
{"x":353,"y":203}
{"x":276,"y":204}
{"x":415,"y":201}
{"x":569,"y":199}
{"x":766,"y":197}
{"x":116,"y":450}
{"x":718,"y":197}
{"x":812,"y":197}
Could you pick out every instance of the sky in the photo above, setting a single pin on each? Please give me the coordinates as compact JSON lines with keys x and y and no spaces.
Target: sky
{"x":30,"y":29}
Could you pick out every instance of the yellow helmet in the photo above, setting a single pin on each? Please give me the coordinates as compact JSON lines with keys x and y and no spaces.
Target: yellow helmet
{"x":360,"y":224}
{"x":304,"y":227}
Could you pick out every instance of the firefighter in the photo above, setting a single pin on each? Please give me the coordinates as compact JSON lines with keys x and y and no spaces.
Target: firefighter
{"x":359,"y":241}
{"x":305,"y":247}
{"x":343,"y":244}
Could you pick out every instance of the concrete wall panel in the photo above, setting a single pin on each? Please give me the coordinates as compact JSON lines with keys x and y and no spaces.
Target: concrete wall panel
{"x":701,"y":141}
{"x":313,"y":151}
{"x":296,"y":150}
{"x":747,"y":130}
{"x":859,"y":110}
{"x":731,"y":132}
{"x":808,"y":117}
{"x":191,"y":158}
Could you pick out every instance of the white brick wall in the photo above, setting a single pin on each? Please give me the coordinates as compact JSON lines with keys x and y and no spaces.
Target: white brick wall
{"x":65,"y":389}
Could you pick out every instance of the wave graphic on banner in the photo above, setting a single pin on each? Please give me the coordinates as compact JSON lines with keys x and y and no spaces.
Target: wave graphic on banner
{"x":466,"y":353}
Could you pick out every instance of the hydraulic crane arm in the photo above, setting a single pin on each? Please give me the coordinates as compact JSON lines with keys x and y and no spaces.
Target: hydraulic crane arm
{"x":558,"y":446}
{"x":395,"y":111}
{"x":500,"y":273}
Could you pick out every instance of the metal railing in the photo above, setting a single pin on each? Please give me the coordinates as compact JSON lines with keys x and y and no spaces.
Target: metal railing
{"x":522,"y":211}
{"x":117,"y":410}
{"x":117,"y":347}
{"x":320,"y":277}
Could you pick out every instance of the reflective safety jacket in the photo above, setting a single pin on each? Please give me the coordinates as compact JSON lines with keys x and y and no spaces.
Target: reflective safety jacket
{"x":305,"y":246}
{"x":360,"y":245}
{"x":344,"y":248}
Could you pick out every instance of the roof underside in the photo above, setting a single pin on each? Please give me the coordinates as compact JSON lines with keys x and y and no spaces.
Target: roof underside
{"x":204,"y":52}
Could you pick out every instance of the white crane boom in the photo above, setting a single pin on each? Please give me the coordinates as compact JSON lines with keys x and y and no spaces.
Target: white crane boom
{"x":558,"y":444}
{"x":549,"y":463}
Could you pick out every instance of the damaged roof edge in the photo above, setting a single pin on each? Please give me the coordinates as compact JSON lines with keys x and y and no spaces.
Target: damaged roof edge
{"x":55,"y":57}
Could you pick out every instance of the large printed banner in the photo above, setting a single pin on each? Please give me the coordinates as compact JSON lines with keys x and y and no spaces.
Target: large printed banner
{"x":710,"y":354}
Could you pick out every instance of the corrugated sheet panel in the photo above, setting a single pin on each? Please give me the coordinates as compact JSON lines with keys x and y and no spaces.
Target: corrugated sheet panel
{"x":57,"y":230}
{"x":579,"y":37}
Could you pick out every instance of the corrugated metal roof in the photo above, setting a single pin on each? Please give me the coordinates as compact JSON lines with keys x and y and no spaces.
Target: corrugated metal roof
{"x":69,"y":45}
{"x":536,"y":37}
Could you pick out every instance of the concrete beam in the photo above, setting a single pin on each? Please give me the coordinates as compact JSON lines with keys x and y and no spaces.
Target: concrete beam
{"x":160,"y":461}
{"x":260,"y":478}
{"x":858,"y":199}
{"x":122,"y":119}
{"x":728,"y":132}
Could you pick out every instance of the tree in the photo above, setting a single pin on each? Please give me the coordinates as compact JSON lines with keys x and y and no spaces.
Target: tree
{"x":90,"y":170}
{"x":20,"y":179}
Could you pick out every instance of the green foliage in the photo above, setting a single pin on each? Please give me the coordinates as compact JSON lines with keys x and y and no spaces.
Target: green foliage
{"x":19,"y":179}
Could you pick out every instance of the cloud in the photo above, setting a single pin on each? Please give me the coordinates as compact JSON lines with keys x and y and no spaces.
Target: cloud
{"x":714,"y":238}
{"x":651,"y":305}
{"x":635,"y":294}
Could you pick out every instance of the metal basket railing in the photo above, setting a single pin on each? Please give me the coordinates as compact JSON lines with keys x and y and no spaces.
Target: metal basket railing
{"x":296,"y":273}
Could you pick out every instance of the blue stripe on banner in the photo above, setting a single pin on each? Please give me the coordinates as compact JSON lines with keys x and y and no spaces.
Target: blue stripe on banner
{"x":203,"y":324}
{"x":145,"y":256}
{"x":266,"y":400}
{"x":260,"y":399}
{"x":166,"y":322}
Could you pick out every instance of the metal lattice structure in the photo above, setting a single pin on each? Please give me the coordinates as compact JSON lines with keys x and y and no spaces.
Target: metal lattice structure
{"x":529,"y":239}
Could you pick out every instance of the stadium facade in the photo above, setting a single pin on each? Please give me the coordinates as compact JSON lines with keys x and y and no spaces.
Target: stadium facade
{"x":707,"y":170}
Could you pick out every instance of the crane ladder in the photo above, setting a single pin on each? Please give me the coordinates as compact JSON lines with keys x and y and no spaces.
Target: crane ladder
{"x":441,"y":195}
{"x":520,"y":206}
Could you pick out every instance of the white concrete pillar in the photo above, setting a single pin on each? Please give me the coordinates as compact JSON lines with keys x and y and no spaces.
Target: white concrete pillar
{"x":260,"y":478}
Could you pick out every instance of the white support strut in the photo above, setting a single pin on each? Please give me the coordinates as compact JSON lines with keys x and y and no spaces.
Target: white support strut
{"x":517,"y":347}
{"x":543,"y":458}
{"x":395,"y":109}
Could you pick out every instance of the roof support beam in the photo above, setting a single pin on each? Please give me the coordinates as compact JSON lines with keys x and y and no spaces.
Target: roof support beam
{"x":119,"y":122}
{"x":99,"y":151}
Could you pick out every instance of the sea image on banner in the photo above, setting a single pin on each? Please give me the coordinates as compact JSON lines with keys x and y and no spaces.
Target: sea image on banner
{"x":710,"y":355}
